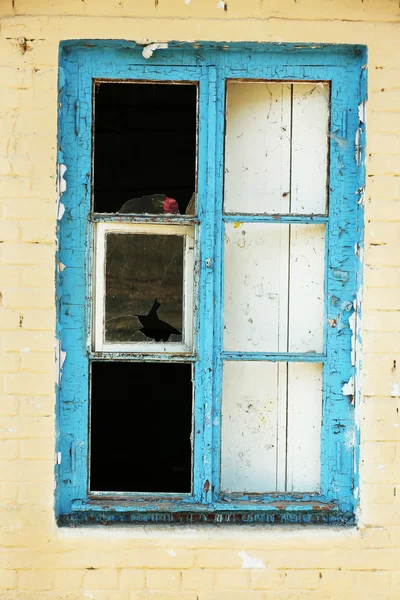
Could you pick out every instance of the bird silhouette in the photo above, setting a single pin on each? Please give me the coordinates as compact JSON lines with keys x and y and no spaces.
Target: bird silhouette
{"x":153,"y":327}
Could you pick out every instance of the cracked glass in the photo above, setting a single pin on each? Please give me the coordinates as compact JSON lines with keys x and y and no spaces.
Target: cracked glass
{"x":144,"y":287}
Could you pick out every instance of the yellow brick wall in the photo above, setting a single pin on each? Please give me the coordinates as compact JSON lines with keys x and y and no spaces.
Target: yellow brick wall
{"x":40,"y":561}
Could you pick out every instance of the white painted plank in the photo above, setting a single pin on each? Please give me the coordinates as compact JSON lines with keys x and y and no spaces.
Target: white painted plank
{"x":263,"y":299}
{"x":306,"y":297}
{"x":282,"y":427}
{"x":257,"y":147}
{"x":304,"y":427}
{"x":309,"y":148}
{"x":256,"y":287}
{"x":249,"y":427}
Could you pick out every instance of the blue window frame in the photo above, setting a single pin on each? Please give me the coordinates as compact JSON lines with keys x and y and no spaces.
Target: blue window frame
{"x":210,"y":66}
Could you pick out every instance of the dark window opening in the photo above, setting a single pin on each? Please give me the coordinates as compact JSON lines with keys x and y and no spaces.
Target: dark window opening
{"x":145,"y":148}
{"x":141,"y":423}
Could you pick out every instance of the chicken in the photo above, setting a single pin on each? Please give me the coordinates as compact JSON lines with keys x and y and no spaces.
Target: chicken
{"x":153,"y":205}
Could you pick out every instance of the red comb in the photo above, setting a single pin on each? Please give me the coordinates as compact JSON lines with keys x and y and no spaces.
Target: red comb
{"x":170,"y":206}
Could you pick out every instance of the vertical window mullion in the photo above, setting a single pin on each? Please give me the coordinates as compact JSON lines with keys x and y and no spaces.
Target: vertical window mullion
{"x":219,"y":163}
{"x":204,"y":372}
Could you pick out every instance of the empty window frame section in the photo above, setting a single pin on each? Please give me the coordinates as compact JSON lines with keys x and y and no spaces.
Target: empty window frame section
{"x":143,"y":287}
{"x":140,"y":428}
{"x":144,"y":161}
{"x":145,"y":138}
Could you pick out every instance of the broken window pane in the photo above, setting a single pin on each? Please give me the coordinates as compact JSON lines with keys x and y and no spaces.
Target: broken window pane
{"x":274,"y":287}
{"x":144,"y":287}
{"x":145,"y":148}
{"x":271,"y":427}
{"x":140,"y":427}
{"x":276,"y":149}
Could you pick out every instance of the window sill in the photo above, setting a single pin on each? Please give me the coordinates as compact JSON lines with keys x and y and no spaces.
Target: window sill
{"x":103,"y":511}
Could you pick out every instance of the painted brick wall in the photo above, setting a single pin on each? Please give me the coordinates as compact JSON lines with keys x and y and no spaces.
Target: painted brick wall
{"x":40,"y":561}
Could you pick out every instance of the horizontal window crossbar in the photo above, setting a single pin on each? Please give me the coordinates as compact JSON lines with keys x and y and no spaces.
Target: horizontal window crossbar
{"x":278,"y":218}
{"x":275,"y":356}
{"x":141,"y":357}
{"x":149,"y":219}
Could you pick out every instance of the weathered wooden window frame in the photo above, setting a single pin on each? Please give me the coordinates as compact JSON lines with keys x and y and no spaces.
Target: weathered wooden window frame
{"x":210,"y":65}
{"x":98,"y":287}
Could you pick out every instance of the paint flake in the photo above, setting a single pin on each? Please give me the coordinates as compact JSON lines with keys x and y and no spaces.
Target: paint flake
{"x":251,"y":562}
{"x":395,"y":389}
{"x":352,"y":325}
{"x":348,"y":388}
{"x":359,"y":251}
{"x":60,"y":359}
{"x":341,"y":142}
{"x":350,"y":439}
{"x":357,"y":144}
{"x":362,"y":112}
{"x":61,"y":188}
{"x":360,"y":192}
{"x":149,"y":50}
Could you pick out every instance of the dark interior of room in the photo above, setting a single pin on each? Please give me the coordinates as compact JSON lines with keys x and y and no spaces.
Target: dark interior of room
{"x":144,"y":143}
{"x":141,"y":422}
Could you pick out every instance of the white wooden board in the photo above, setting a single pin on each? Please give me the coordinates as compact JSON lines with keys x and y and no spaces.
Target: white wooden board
{"x":309,"y":148}
{"x":274,"y":287}
{"x":249,"y":427}
{"x":271,"y":427}
{"x":276,"y":147}
{"x":256,"y":287}
{"x":304,"y":427}
{"x":257,"y":147}
{"x":306,"y":288}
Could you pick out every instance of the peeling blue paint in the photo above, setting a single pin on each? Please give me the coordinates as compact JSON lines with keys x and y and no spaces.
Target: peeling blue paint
{"x":211,"y":64}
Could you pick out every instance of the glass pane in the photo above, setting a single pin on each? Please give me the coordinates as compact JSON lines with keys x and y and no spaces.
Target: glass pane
{"x":276,"y":150}
{"x":140,"y":436}
{"x":144,"y":287}
{"x":145,"y":148}
{"x":274,"y":287}
{"x":271,"y":427}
